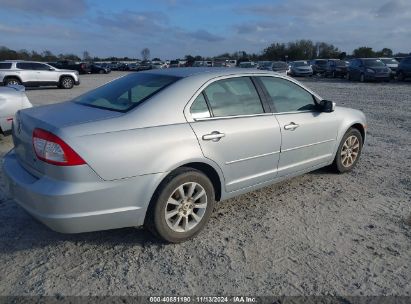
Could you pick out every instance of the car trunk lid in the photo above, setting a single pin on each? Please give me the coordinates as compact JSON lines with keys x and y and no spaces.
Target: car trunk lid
{"x":53,"y":119}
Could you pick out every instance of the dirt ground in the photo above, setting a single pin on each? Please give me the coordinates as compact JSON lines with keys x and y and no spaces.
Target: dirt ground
{"x":317,"y":234}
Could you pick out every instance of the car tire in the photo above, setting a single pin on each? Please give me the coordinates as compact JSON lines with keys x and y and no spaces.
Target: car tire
{"x":362,"y":78}
{"x":171,"y":215}
{"x":101,"y":72}
{"x":349,"y":151}
{"x":66,"y":83}
{"x":12,"y":81}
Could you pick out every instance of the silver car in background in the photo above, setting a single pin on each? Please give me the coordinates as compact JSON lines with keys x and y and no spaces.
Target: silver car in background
{"x":159,"y":148}
{"x":12,"y":99}
{"x":300,"y":68}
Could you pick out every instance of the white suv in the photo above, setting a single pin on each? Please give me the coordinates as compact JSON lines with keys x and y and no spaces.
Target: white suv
{"x":30,"y":73}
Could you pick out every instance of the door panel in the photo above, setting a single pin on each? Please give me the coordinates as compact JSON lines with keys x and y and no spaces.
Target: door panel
{"x":310,"y":143}
{"x":248,"y":153}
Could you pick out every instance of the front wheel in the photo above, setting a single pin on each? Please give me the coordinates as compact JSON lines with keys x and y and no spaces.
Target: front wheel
{"x":181,"y":206}
{"x":349,"y":151}
{"x":66,"y":83}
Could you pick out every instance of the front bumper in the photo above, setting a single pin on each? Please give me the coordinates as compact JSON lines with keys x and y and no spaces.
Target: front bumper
{"x":378,"y":77}
{"x":77,"y":82}
{"x":74,"y":207}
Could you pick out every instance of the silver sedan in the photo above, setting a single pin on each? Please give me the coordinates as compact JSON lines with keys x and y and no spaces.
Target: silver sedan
{"x":159,"y":148}
{"x":12,"y":99}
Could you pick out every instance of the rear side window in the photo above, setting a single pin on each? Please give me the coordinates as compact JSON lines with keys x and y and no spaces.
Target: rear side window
{"x":39,"y":66}
{"x":199,"y":108}
{"x":235,"y":96}
{"x":127,"y":92}
{"x":286,"y":96}
{"x":5,"y":65}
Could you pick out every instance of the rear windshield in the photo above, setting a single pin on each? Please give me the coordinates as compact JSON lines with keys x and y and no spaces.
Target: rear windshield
{"x":5,"y":65}
{"x":127,"y":92}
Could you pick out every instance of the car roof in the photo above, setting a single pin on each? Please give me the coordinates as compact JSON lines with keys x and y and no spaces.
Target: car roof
{"x":208,"y":72}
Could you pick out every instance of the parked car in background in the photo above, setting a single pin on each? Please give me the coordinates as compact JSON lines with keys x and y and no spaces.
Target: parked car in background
{"x":404,"y":69}
{"x":336,"y":68}
{"x":299,"y":68}
{"x":35,"y":74}
{"x":275,"y":66}
{"x":368,"y":69}
{"x":392,"y":64}
{"x":12,"y":99}
{"x":114,"y":65}
{"x":145,"y":65}
{"x":247,"y":65}
{"x":157,"y":65}
{"x":133,"y":66}
{"x":123,"y":67}
{"x":81,"y":67}
{"x":97,"y":69}
{"x":174,"y":64}
{"x":169,"y":169}
{"x":319,"y":66}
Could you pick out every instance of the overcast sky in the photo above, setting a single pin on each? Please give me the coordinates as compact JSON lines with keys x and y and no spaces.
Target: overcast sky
{"x":174,"y":28}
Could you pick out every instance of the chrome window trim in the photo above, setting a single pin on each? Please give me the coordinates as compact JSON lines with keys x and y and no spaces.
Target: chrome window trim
{"x":232,"y":117}
{"x":190,"y":118}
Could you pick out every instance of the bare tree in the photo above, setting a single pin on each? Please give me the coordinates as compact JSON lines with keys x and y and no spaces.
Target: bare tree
{"x":145,"y":53}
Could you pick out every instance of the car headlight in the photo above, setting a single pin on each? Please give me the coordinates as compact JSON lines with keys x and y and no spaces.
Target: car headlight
{"x":370,"y":71}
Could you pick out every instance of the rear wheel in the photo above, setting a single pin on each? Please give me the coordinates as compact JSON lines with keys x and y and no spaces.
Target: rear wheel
{"x":349,"y":151}
{"x":362,"y":78}
{"x":181,"y":206}
{"x":66,"y":82}
{"x":12,"y":81}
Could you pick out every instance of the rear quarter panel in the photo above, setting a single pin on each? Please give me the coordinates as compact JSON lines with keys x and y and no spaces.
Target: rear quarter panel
{"x":128,"y":153}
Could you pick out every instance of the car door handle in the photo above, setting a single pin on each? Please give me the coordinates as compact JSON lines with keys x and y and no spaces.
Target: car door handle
{"x":214,"y":136}
{"x":291,"y":127}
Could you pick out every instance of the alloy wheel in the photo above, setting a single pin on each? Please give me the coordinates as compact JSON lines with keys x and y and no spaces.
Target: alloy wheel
{"x":186,"y":207}
{"x":350,"y":151}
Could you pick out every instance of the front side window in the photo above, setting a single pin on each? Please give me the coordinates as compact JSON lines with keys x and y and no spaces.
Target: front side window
{"x":286,"y":96}
{"x":127,"y":92}
{"x":39,"y":66}
{"x":234,"y":96}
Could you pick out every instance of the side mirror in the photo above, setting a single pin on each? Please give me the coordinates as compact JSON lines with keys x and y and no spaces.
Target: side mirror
{"x":327,"y":106}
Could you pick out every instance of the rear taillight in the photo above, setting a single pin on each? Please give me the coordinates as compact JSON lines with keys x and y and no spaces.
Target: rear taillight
{"x":53,"y":150}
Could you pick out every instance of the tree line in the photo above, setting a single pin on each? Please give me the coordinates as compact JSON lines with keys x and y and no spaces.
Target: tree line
{"x":294,"y":50}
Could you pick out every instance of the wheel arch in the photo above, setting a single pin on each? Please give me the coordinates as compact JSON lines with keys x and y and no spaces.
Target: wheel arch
{"x":66,"y":75}
{"x":360,"y":128}
{"x":12,"y":76}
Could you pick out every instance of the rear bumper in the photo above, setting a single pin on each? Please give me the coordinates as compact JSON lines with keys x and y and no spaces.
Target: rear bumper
{"x":74,"y":207}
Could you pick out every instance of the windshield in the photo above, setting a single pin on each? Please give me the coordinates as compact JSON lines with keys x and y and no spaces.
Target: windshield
{"x":340,"y":63}
{"x":300,"y":63}
{"x":373,"y":63}
{"x":127,"y":92}
{"x":389,"y":61}
{"x":321,"y":62}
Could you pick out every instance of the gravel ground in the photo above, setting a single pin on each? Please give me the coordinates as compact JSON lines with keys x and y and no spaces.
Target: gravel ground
{"x":318,"y":234}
